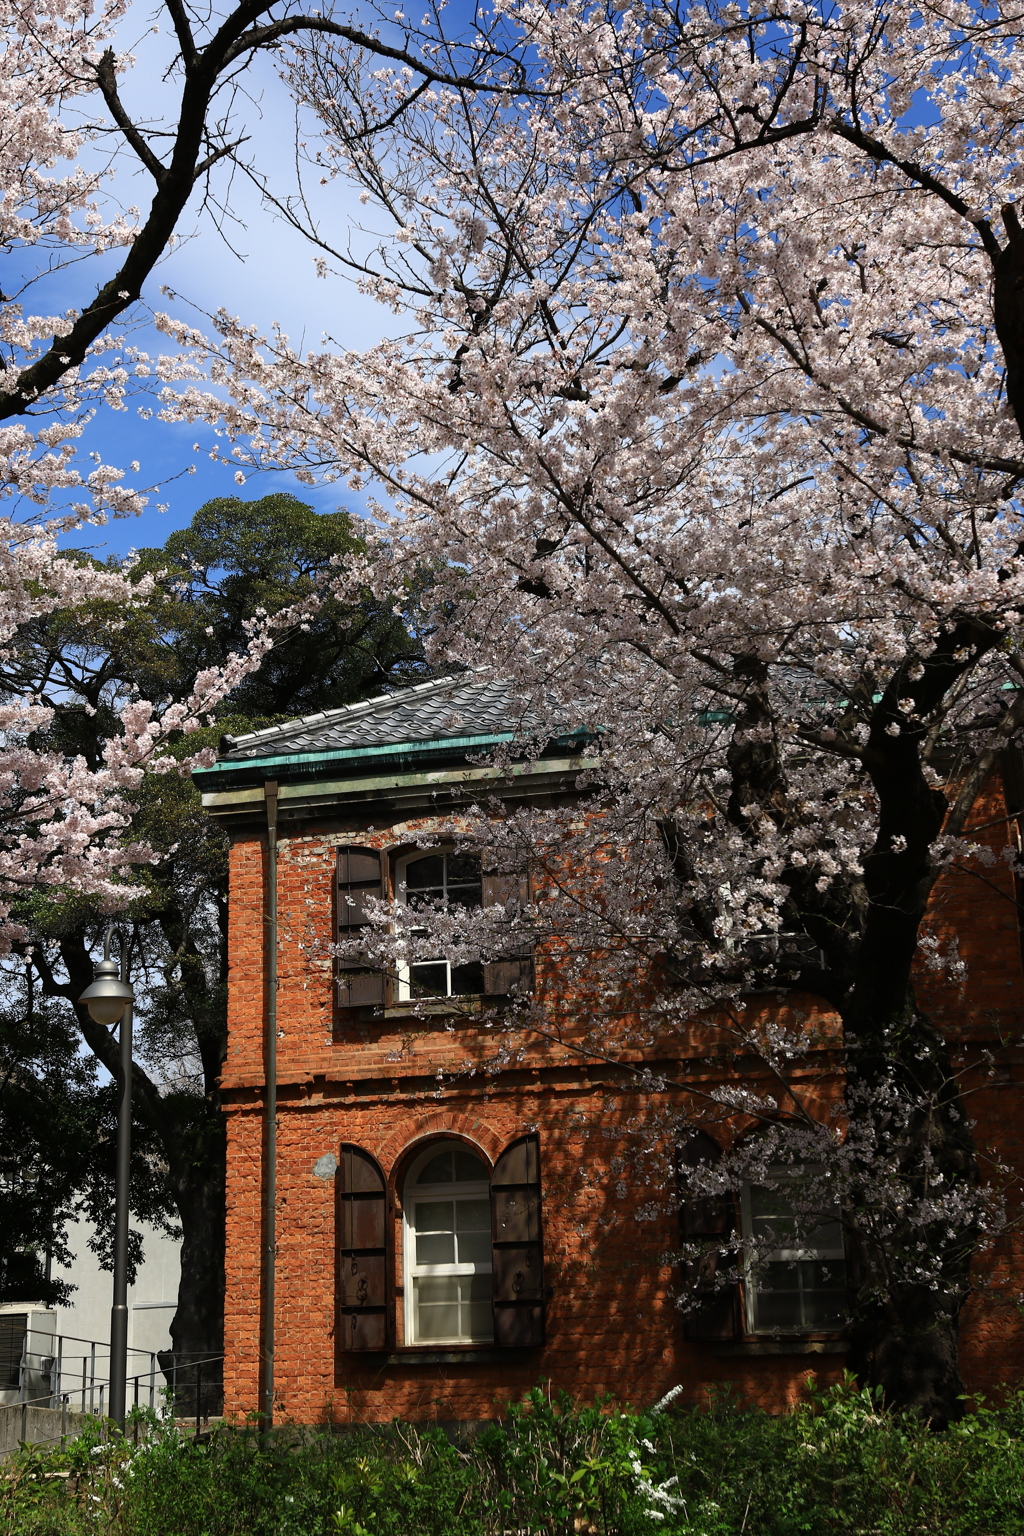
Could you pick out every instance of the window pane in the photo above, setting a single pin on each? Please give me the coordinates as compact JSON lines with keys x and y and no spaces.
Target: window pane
{"x":824,"y":1284}
{"x":475,"y":1248}
{"x":463,"y":869}
{"x":473,"y":1216}
{"x":824,"y":1311}
{"x":768,"y":1203}
{"x":771,"y":1217}
{"x":464,"y":883}
{"x":451,"y":1230}
{"x":437,"y":1307}
{"x":776,"y":1279}
{"x":426,"y":874}
{"x":828,"y":1238}
{"x":437,"y":1290}
{"x":435,"y":1248}
{"x":801,"y":1294}
{"x":469,"y":1168}
{"x":430,"y":980}
{"x":779,"y":1300}
{"x":433,"y":1216}
{"x":779,"y":1313}
{"x":825,"y":1274}
{"x":437,"y":1171}
{"x":775,"y":1229}
{"x":477,"y":1288}
{"x":473,"y":1224}
{"x":438,"y":1323}
{"x":468,"y":980}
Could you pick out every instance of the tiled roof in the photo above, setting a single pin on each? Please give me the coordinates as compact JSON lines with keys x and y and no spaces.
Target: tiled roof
{"x":471,"y":704}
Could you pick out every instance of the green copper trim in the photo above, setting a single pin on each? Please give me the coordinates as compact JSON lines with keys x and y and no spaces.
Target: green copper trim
{"x":341,"y":754}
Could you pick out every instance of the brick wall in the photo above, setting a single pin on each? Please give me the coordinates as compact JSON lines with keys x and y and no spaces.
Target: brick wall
{"x":611,"y":1324}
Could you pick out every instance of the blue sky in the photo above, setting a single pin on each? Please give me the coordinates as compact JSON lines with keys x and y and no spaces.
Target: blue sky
{"x":256,"y":268}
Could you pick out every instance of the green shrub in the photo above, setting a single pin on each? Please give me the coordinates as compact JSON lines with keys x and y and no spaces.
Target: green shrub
{"x":837,"y":1464}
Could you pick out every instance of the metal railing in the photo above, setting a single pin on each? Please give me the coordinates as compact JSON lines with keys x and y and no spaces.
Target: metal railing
{"x":52,"y":1368}
{"x":54,"y":1375}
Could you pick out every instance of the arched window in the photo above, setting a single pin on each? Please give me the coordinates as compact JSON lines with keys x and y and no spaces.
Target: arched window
{"x":446,"y":1210}
{"x":439,"y":876}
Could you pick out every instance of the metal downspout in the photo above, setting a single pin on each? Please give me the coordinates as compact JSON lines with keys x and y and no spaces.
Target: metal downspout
{"x":119,"y":1309}
{"x":269,"y":1121}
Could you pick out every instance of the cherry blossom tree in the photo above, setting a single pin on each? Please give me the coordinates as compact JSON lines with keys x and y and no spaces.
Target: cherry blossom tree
{"x":76,"y":805}
{"x":708,"y":416}
{"x":67,"y":131}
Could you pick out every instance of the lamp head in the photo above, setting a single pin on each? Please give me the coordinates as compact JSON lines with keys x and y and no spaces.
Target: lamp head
{"x":108,"y":996}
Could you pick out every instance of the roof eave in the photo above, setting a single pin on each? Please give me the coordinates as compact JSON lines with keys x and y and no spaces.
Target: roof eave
{"x":311,"y":764}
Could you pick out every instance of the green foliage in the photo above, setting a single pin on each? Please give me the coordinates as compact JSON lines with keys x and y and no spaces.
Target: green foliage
{"x":235,"y":559}
{"x":58,"y":1138}
{"x":47,"y":1126}
{"x":58,"y":1132}
{"x":837,"y":1464}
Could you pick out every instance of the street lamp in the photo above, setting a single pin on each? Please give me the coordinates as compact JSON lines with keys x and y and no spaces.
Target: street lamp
{"x":110,"y":1000}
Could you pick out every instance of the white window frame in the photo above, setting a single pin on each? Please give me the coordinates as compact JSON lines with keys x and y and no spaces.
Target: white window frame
{"x":411,"y":1196}
{"x":403,"y":971}
{"x":752,"y":1270}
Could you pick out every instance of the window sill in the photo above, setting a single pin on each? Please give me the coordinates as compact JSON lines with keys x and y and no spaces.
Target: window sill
{"x":469,"y":1355}
{"x":755,"y":1347}
{"x":443,"y":1005}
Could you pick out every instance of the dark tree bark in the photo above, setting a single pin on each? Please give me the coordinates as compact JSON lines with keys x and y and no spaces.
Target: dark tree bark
{"x":1008,"y":311}
{"x":197,"y":1329}
{"x":905,"y":1335}
{"x":905,"y":1338}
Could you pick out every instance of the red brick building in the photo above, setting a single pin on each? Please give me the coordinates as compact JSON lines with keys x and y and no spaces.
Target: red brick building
{"x":455,"y":1221}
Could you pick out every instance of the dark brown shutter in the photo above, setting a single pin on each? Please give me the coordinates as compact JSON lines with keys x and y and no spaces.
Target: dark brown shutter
{"x":718,"y":1316}
{"x":360,"y":873}
{"x":513,"y":973}
{"x":363,"y":1232}
{"x":517,"y":1253}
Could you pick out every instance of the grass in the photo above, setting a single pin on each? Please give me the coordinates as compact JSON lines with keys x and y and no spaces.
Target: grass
{"x":837,"y":1464}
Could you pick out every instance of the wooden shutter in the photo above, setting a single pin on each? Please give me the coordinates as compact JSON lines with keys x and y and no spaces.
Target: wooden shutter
{"x":360,"y":873}
{"x":517,"y":1254}
{"x":718,"y":1316}
{"x":514,"y":972}
{"x":365,"y":1289}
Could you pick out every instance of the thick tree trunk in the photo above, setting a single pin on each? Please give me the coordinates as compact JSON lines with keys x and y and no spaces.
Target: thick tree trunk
{"x":901,"y":1089}
{"x":901,"y":1092}
{"x":905,"y":1336}
{"x":911,"y":1351}
{"x":195,"y":1363}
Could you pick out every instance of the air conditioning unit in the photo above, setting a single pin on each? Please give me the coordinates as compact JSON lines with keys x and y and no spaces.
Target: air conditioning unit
{"x":27,"y":1331}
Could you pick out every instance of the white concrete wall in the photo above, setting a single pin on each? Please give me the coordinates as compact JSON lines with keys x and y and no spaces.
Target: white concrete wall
{"x":151,"y":1300}
{"x":78,"y":1336}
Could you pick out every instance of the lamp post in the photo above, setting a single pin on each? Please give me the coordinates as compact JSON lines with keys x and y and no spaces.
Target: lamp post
{"x":109,"y":999}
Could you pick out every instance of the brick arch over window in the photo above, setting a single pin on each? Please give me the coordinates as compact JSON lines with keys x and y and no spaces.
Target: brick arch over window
{"x":456,"y":1126}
